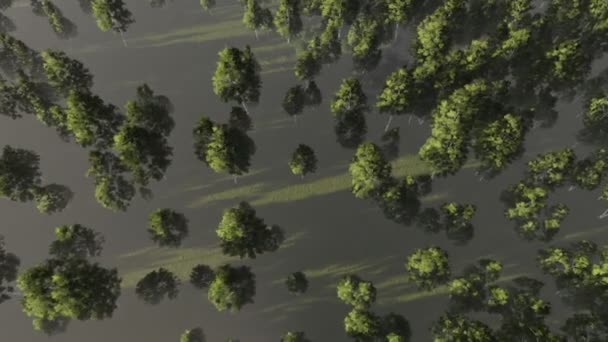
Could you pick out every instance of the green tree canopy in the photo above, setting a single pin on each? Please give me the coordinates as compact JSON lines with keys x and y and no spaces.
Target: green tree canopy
{"x":452,"y":328}
{"x":19,"y":174}
{"x":62,"y":289}
{"x":112,"y":15}
{"x":193,"y":335}
{"x":9,"y":264}
{"x":232,"y":288}
{"x":294,"y":336}
{"x":428,"y":267}
{"x":369,"y":170}
{"x":303,"y":161}
{"x":296,"y":283}
{"x":64,"y":73}
{"x":256,"y":17}
{"x":362,"y":325}
{"x":356,"y":292}
{"x":201,"y":276}
{"x":242,"y":233}
{"x":237,"y":76}
{"x":287,"y":18}
{"x":76,"y":241}
{"x":167,"y":227}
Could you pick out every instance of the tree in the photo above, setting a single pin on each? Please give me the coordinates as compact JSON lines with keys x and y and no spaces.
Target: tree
{"x":349,"y":98}
{"x":287,"y":19}
{"x":9,"y":264}
{"x":312,"y":94}
{"x":16,"y":55}
{"x":397,"y":94}
{"x":364,"y":37}
{"x":141,"y":142}
{"x":369,"y":170}
{"x":193,"y":335}
{"x":242,"y":233}
{"x":297,"y":283}
{"x":237,"y":76}
{"x":64,"y":73}
{"x":361,"y":325}
{"x":207,"y":5}
{"x":203,"y":133}
{"x":350,"y":129}
{"x":500,"y":142}
{"x":232,"y":288}
{"x":256,"y":17}
{"x":395,"y":327}
{"x":397,"y":11}
{"x":112,"y":15}
{"x":229,"y":150}
{"x":308,"y":65}
{"x":428,"y":267}
{"x":76,"y":241}
{"x":297,"y":336}
{"x":112,"y":190}
{"x":90,"y":120}
{"x":19,"y":174}
{"x":356,"y":292}
{"x":452,"y":328}
{"x":52,"y":198}
{"x":154,"y":286}
{"x":458,"y":221}
{"x":167,"y":227}
{"x":551,"y":169}
{"x":62,"y":26}
{"x":340,"y":11}
{"x":303,"y":161}
{"x":589,"y":172}
{"x":294,"y":101}
{"x":62,"y":289}
{"x":6,"y":4}
{"x":201,"y":276}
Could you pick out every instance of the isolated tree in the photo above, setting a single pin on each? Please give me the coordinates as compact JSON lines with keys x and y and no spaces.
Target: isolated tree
{"x":397,"y":94}
{"x":287,"y":19}
{"x":167,"y":227}
{"x":369,"y":170}
{"x":398,"y":12}
{"x":297,"y":283}
{"x":9,"y":264}
{"x":76,"y":241}
{"x":294,"y":101}
{"x":112,"y":15}
{"x":428,"y":267}
{"x":201,"y":276}
{"x":193,"y":335}
{"x":595,"y":118}
{"x":356,"y":292}
{"x":349,"y":98}
{"x":551,"y":169}
{"x":237,"y":76}
{"x":19,"y":174}
{"x":62,"y":26}
{"x":141,"y":142}
{"x":232,"y":288}
{"x":207,"y":5}
{"x":458,"y":218}
{"x":238,"y":119}
{"x":52,"y":198}
{"x":364,"y":38}
{"x":296,"y":336}
{"x":340,"y":12}
{"x":157,"y":285}
{"x":308,"y":65}
{"x":65,"y":73}
{"x":229,"y":150}
{"x":90,"y":120}
{"x":362,"y":325}
{"x":452,"y":328}
{"x":257,"y":18}
{"x":303,"y":161}
{"x":242,"y":233}
{"x":63,"y":289}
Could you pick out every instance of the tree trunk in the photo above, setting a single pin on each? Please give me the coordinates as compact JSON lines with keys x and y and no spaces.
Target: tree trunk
{"x":236,"y":179}
{"x":124,"y":41}
{"x":257,"y":37}
{"x":295,"y":120}
{"x":396,"y":31}
{"x":245,"y":107}
{"x":409,"y":121}
{"x":388,"y":123}
{"x":604,"y":214}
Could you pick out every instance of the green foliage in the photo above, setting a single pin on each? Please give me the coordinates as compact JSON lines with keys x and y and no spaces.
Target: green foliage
{"x":19,"y":174}
{"x":296,"y":283}
{"x":396,"y":328}
{"x":428,"y":267}
{"x":297,"y":336}
{"x":9,"y":264}
{"x":453,"y":328}
{"x":364,"y":37}
{"x":552,"y":169}
{"x":201,"y":276}
{"x":16,"y":55}
{"x":207,"y":5}
{"x":167,"y":227}
{"x":356,"y":292}
{"x":232,"y":288}
{"x":398,"y":11}
{"x":141,"y":141}
{"x":52,"y":198}
{"x":256,"y":17}
{"x":228,"y":150}
{"x":112,"y":190}
{"x":193,"y":335}
{"x":294,"y":100}
{"x":63,"y":289}
{"x":349,"y":98}
{"x":397,"y":94}
{"x":76,"y":241}
{"x":369,"y":170}
{"x":589,"y":172}
{"x":308,"y":65}
{"x":599,"y":12}
{"x":64,"y":73}
{"x":202,"y":133}
{"x":112,"y":15}
{"x":154,"y":286}
{"x":595,"y":118}
{"x":237,"y":76}
{"x":90,"y":120}
{"x":303,"y":161}
{"x":499,"y":142}
{"x":287,"y":18}
{"x":569,"y":62}
{"x":242,"y":233}
{"x":361,"y":325}
{"x":60,"y":25}
{"x":458,"y":218}
{"x":238,"y":119}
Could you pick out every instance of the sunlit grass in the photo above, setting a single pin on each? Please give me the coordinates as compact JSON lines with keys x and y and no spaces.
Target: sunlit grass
{"x":135,"y":265}
{"x":237,"y":193}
